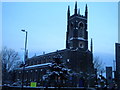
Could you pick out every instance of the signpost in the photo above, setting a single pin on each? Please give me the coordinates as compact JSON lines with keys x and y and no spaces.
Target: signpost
{"x":33,"y":84}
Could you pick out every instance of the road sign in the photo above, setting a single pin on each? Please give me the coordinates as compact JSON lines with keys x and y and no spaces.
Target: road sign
{"x":33,"y":84}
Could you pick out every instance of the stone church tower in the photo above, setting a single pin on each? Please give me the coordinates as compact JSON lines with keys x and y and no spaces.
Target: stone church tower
{"x":77,"y":34}
{"x":77,"y":40}
{"x":80,"y":58}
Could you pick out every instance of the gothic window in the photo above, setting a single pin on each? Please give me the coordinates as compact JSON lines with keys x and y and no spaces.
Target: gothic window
{"x":71,"y":25}
{"x":81,"y":25}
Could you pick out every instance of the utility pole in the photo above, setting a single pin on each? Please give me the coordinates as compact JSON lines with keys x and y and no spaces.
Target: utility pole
{"x":24,"y":57}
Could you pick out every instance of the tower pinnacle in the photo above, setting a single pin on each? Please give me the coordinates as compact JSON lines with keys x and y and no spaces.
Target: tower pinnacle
{"x":75,"y":7}
{"x":86,"y":11}
{"x":79,"y":11}
{"x":68,"y":13}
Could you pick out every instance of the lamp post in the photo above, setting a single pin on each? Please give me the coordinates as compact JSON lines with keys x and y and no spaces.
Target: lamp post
{"x":24,"y":57}
{"x":25,"y":45}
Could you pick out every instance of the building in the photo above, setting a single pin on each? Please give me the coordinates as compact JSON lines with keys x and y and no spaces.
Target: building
{"x":117,"y":46}
{"x":109,"y":77}
{"x":76,"y":56}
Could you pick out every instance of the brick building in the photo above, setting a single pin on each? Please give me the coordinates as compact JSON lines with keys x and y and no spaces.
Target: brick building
{"x":117,"y":46}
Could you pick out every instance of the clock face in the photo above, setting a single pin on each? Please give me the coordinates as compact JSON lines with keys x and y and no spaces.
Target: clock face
{"x":81,"y":45}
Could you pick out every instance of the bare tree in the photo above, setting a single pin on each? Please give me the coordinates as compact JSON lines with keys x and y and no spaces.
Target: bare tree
{"x":10,"y":61}
{"x":98,"y":64}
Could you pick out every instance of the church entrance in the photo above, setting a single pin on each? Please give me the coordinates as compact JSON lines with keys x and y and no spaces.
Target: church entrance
{"x":81,"y":82}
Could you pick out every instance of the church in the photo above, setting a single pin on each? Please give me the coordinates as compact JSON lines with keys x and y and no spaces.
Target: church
{"x":76,"y":55}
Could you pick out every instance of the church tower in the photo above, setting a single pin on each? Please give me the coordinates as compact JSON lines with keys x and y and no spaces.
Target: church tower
{"x":77,"y":34}
{"x":80,"y":57}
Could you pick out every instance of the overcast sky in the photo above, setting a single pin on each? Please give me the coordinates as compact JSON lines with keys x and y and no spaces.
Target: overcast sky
{"x":46,"y":23}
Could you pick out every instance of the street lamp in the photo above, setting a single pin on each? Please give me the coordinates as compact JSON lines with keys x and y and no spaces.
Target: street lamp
{"x":25,"y":45}
{"x":24,"y":57}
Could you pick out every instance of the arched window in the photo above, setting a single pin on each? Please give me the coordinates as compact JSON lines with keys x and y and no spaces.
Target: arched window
{"x":81,"y":29}
{"x":71,"y":25}
{"x":81,"y":25}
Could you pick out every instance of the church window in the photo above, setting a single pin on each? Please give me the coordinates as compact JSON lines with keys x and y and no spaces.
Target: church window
{"x":81,"y":25}
{"x":71,"y":25}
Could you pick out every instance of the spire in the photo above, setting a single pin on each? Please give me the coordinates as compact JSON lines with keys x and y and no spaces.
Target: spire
{"x":68,"y":9}
{"x":91,"y":45}
{"x":86,"y":8}
{"x":79,"y":11}
{"x":75,"y":7}
{"x":86,"y":11}
{"x":68,"y":13}
{"x":68,"y":16}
